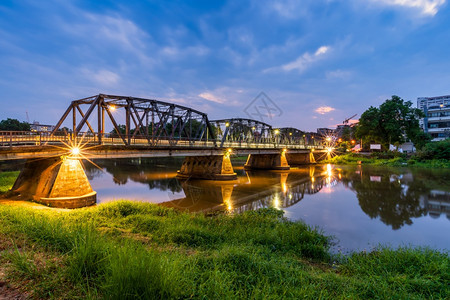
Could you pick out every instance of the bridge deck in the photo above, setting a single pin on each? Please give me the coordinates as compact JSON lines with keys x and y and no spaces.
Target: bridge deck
{"x":144,"y":150}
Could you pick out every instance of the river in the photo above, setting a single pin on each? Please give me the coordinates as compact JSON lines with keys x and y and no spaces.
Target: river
{"x":360,"y":206}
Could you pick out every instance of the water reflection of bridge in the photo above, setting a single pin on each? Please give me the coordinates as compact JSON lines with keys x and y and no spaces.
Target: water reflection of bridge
{"x":394,"y":197}
{"x":256,"y":190}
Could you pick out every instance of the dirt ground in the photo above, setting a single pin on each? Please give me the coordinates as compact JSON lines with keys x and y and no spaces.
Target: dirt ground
{"x":9,"y":293}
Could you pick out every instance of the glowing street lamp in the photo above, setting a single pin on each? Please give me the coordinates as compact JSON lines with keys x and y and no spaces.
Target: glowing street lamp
{"x":75,"y":151}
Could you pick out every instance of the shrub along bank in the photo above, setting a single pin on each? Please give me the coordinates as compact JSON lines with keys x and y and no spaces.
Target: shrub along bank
{"x":387,"y":159}
{"x":432,"y":155}
{"x":126,"y":250}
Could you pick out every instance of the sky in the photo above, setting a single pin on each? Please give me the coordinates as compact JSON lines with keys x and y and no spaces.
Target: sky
{"x":314,"y":62}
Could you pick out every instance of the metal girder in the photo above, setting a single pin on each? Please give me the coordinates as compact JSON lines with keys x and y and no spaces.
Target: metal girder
{"x":170,"y":123}
{"x":290,"y":135}
{"x":243,"y":131}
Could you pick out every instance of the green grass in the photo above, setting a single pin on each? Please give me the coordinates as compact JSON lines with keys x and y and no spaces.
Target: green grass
{"x":129,"y":250}
{"x":354,"y":159}
{"x":7,"y":180}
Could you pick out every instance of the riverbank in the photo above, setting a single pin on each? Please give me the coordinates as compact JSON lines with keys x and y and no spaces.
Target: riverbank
{"x":130,"y":250}
{"x":401,"y":161}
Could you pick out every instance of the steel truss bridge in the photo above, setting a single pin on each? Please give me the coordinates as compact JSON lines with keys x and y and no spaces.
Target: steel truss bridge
{"x":156,"y":123}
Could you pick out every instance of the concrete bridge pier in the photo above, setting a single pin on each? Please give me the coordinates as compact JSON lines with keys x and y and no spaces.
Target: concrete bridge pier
{"x":214,"y":167}
{"x":267,"y":161}
{"x":299,"y":158}
{"x":56,"y":182}
{"x":320,"y":155}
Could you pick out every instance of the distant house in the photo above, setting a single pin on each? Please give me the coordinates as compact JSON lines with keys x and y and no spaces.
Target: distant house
{"x":41,"y":127}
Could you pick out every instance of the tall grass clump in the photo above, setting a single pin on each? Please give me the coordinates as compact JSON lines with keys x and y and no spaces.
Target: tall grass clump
{"x":128,"y":250}
{"x":420,"y":271}
{"x":132,"y":272}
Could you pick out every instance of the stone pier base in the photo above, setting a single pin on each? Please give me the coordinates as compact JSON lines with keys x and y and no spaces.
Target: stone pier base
{"x":215,"y":167}
{"x":267,"y":162}
{"x":298,"y":158}
{"x":56,"y":182}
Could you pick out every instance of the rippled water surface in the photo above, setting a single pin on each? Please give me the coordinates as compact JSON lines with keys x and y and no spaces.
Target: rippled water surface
{"x":361,"y":206}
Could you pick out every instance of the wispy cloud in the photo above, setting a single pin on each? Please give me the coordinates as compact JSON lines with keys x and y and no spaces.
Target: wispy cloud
{"x":101,"y":77}
{"x":338,"y":74}
{"x":324,"y":109}
{"x":304,"y":61}
{"x":211,"y":97}
{"x":109,"y":31}
{"x":426,"y":7}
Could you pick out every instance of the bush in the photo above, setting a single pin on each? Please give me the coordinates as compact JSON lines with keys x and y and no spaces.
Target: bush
{"x":435,"y":150}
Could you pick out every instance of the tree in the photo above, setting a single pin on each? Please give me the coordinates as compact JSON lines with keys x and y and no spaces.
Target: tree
{"x":121,"y":128}
{"x":14,"y":125}
{"x":393,"y":122}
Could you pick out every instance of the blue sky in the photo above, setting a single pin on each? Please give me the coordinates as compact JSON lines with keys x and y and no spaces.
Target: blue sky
{"x":320,"y":61}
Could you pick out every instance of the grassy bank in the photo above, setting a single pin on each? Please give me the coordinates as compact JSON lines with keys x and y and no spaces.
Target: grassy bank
{"x":134,"y":250}
{"x":7,"y":180}
{"x":354,"y":159}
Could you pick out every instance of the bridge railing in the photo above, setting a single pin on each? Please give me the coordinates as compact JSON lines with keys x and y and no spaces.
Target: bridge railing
{"x":30,"y":138}
{"x":39,"y":138}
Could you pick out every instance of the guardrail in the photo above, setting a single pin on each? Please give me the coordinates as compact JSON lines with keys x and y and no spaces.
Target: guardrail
{"x":40,"y":138}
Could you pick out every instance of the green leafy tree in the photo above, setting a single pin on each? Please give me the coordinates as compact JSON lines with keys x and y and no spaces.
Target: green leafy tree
{"x":14,"y":125}
{"x":393,"y":122}
{"x":121,"y":128}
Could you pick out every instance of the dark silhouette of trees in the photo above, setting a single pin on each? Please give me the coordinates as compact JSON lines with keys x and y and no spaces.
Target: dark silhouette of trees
{"x":14,"y":125}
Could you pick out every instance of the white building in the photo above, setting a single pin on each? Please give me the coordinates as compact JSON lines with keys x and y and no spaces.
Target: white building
{"x":41,"y":127}
{"x":437,"y":116}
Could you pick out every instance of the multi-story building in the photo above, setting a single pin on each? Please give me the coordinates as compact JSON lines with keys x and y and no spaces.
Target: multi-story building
{"x":41,"y":127}
{"x":437,"y":116}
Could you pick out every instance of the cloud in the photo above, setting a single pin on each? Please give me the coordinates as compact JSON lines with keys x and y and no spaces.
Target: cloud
{"x":102,"y":77}
{"x":211,"y":97}
{"x":114,"y":33}
{"x":176,"y":52}
{"x":324,"y":109}
{"x":426,"y":7}
{"x":338,"y":74}
{"x":304,"y":61}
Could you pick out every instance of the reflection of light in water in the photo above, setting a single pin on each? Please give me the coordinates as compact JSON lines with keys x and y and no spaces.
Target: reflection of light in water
{"x":228,"y":204}
{"x":329,"y":170}
{"x":276,"y":201}
{"x":330,"y":179}
{"x":248,"y":177}
{"x":284,"y":187}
